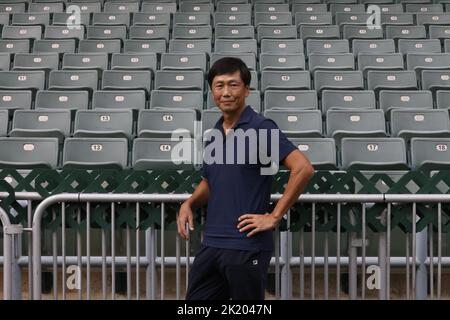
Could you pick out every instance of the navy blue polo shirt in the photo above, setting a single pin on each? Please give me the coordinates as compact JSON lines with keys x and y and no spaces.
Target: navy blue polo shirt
{"x":237,"y":187}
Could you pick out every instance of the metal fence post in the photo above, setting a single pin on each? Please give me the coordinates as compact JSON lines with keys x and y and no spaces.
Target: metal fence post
{"x":422,"y":272}
{"x":286,"y":272}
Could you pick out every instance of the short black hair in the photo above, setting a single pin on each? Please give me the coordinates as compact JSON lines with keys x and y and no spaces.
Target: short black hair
{"x":229,"y":65}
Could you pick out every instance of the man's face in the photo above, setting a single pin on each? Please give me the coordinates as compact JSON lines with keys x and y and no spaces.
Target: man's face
{"x":229,"y":92}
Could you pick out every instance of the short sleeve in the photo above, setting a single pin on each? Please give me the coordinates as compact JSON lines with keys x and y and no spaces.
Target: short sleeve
{"x":285,"y":147}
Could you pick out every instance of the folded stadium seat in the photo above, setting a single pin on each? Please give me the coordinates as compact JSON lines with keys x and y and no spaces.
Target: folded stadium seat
{"x":353,"y":32}
{"x":232,"y":18}
{"x":399,"y":99}
{"x":327,"y":46}
{"x":297,"y":123}
{"x":95,"y":153}
{"x":443,"y":99}
{"x":105,"y":123}
{"x":180,"y":31}
{"x":289,"y":61}
{"x":27,"y":19}
{"x":28,"y":153}
{"x":110,"y":19}
{"x":192,"y":6}
{"x":375,"y":46}
{"x":209,"y":119}
{"x":308,"y":6}
{"x":319,"y":32}
{"x":134,"y":61}
{"x":127,"y":80}
{"x":88,"y":6}
{"x":405,"y":32}
{"x":234,"y":32}
{"x":159,"y":7}
{"x":99,"y":46}
{"x":285,"y":80}
{"x":14,"y":99}
{"x":387,"y":6}
{"x":106,"y":32}
{"x":282,"y":46}
{"x":355,"y":123}
{"x":63,"y":32}
{"x":346,"y":8}
{"x":373,"y":154}
{"x":4,"y":120}
{"x":347,"y":99}
{"x":162,"y":122}
{"x":379,"y":61}
{"x":56,"y":46}
{"x":158,"y":153}
{"x":424,"y":61}
{"x":152,"y":32}
{"x":430,"y":19}
{"x":12,"y":7}
{"x":338,"y":80}
{"x":15,"y":46}
{"x":430,"y":153}
{"x":424,"y":8}
{"x":313,"y":18}
{"x":348,"y":18}
{"x":121,"y":6}
{"x":142,"y":18}
{"x":233,"y":7}
{"x":36,"y":61}
{"x":184,"y":61}
{"x":119,"y":99}
{"x":236,"y":46}
{"x":399,"y":19}
{"x":341,"y":1}
{"x":406,"y":46}
{"x":56,"y":99}
{"x":248,"y":58}
{"x":435,"y":80}
{"x":85,"y":61}
{"x":420,"y":123}
{"x":191,"y":18}
{"x":270,"y":7}
{"x":177,"y":99}
{"x":22,"y":80}
{"x":179,"y":80}
{"x":333,"y":61}
{"x":253,"y":100}
{"x":61,"y":18}
{"x":41,"y":123}
{"x":5,"y":61}
{"x":391,"y":80}
{"x":276,"y":32}
{"x":48,"y":7}
{"x":145,"y":46}
{"x":73,"y":80}
{"x":321,"y":152}
{"x":22,"y":32}
{"x":190,"y":46}
{"x":290,"y":99}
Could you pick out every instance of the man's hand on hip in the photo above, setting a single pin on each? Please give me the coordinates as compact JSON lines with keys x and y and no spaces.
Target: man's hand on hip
{"x":257,"y":223}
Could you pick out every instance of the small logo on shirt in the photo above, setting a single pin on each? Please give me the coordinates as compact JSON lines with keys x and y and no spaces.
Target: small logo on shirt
{"x":255,"y":262}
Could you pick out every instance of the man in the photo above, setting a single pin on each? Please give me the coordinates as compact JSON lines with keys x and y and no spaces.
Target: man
{"x":237,"y":247}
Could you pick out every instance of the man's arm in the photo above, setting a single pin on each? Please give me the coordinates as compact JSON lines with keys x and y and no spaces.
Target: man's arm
{"x":301,"y":171}
{"x":196,"y":200}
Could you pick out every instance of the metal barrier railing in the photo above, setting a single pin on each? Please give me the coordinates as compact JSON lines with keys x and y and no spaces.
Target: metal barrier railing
{"x":283,"y":262}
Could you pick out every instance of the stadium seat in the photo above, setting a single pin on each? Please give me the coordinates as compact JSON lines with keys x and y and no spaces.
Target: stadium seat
{"x":321,"y":152}
{"x":152,"y":32}
{"x":158,"y":153}
{"x":373,"y":46}
{"x":36,"y":61}
{"x":29,"y":19}
{"x":430,"y":153}
{"x":276,"y":32}
{"x":4,"y":121}
{"x":62,"y":18}
{"x":14,"y":99}
{"x":110,"y":18}
{"x":95,"y":153}
{"x":285,"y":80}
{"x":281,"y":46}
{"x":233,"y":7}
{"x":104,"y":123}
{"x":179,"y":80}
{"x":145,"y":46}
{"x":184,"y":61}
{"x":158,"y":7}
{"x":290,"y":61}
{"x":191,"y":6}
{"x":379,"y":61}
{"x":73,"y":80}
{"x":316,"y":18}
{"x":177,"y":99}
{"x":106,"y":32}
{"x":162,"y":122}
{"x":373,"y":154}
{"x":22,"y":32}
{"x":347,"y":99}
{"x":342,"y":80}
{"x":85,"y":61}
{"x":290,"y":99}
{"x":62,"y":32}
{"x":127,"y":80}
{"x":319,"y":32}
{"x":297,"y":123}
{"x":29,"y":153}
{"x":119,"y":99}
{"x":190,"y":46}
{"x":232,"y":18}
{"x":236,"y":46}
{"x":406,"y":46}
{"x":234,"y":32}
{"x":142,"y":18}
{"x":191,"y":32}
{"x":191,"y":18}
{"x":22,"y":80}
{"x":391,"y":80}
{"x":134,"y":61}
{"x":401,"y":99}
{"x":59,"y":46}
{"x":41,"y":123}
{"x":327,"y":46}
{"x":99,"y":46}
{"x":335,"y":61}
{"x":14,"y":46}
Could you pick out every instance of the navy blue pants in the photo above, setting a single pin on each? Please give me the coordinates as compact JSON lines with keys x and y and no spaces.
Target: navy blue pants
{"x":221,"y":274}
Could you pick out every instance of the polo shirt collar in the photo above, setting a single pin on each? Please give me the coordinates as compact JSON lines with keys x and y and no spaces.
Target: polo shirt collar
{"x":245,"y":117}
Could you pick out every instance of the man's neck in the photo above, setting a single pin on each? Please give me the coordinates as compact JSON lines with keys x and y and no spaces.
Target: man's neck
{"x":230,"y":119}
